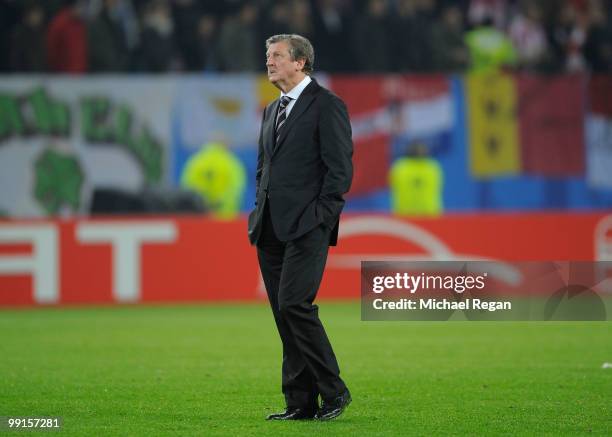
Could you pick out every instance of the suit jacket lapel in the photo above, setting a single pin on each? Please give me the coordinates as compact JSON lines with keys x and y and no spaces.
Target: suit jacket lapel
{"x":268,"y":133}
{"x":302,"y":103}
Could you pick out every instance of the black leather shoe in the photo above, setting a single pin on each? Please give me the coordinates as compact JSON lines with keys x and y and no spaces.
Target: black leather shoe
{"x":293,"y":413}
{"x":335,"y":407}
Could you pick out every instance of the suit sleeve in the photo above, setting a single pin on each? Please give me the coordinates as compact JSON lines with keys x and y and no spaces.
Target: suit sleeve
{"x":336,"y":153}
{"x":260,"y":156}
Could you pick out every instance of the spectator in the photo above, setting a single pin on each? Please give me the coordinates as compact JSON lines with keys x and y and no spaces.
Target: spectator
{"x":187,"y":14}
{"x":276,"y":21}
{"x":428,"y":9}
{"x":300,"y":21}
{"x":558,"y":32}
{"x":405,"y":30}
{"x":9,"y":14}
{"x":494,"y":11}
{"x":598,"y":45}
{"x":127,"y":17}
{"x":67,"y":39}
{"x":331,"y":37}
{"x":107,"y":41}
{"x":204,"y":55}
{"x":568,"y":36}
{"x":219,"y":177}
{"x":157,"y":46}
{"x":528,"y":36}
{"x":238,"y":46}
{"x":416,"y":183}
{"x":426,"y":18}
{"x":52,"y":7}
{"x":28,"y":43}
{"x":370,"y":38}
{"x":490,"y":49}
{"x":577,"y":40}
{"x":450,"y":53}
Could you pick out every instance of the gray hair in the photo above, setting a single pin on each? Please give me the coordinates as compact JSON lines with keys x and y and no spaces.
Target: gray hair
{"x":299,"y":48}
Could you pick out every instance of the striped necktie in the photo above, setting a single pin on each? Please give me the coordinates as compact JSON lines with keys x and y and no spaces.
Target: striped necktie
{"x":282,"y":115}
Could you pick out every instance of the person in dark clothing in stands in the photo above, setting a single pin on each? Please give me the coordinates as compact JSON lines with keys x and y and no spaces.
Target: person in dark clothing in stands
{"x":370,"y":38}
{"x":28,"y":40}
{"x":157,"y":51}
{"x":106,"y":41}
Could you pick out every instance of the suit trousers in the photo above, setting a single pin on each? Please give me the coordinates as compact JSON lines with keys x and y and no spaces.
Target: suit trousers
{"x":292,"y":272}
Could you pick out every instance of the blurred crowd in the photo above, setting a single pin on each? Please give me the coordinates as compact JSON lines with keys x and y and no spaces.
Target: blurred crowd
{"x":95,"y":36}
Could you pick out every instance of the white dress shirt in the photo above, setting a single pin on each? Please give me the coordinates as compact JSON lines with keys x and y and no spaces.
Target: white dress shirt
{"x":295,"y":93}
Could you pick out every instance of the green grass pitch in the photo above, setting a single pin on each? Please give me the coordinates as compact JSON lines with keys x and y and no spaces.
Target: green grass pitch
{"x":215,"y":370}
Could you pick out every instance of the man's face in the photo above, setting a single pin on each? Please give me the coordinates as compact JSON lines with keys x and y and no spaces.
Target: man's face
{"x":281,"y":69}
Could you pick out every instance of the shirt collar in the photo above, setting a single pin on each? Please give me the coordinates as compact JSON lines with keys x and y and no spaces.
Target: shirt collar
{"x":297,"y":90}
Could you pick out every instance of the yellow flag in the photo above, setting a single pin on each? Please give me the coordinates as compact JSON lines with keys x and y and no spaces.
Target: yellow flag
{"x":493,"y":126}
{"x":266,"y":92}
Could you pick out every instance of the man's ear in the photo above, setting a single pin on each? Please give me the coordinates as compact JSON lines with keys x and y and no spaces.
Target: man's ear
{"x":300,"y":64}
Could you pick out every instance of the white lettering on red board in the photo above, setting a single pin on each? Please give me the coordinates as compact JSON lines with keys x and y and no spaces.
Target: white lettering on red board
{"x":126,"y":240}
{"x":42,"y":263}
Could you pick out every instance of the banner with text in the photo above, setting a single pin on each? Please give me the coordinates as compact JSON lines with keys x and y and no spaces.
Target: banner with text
{"x":190,"y":258}
{"x":62,"y":137}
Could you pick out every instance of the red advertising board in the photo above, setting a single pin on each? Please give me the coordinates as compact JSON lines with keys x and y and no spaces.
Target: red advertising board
{"x":187,"y":259}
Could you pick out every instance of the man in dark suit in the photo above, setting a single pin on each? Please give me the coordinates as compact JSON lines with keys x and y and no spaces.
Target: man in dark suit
{"x":304,"y":168}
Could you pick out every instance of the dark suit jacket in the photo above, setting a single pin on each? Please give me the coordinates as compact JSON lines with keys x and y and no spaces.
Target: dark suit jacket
{"x":303,"y":178}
